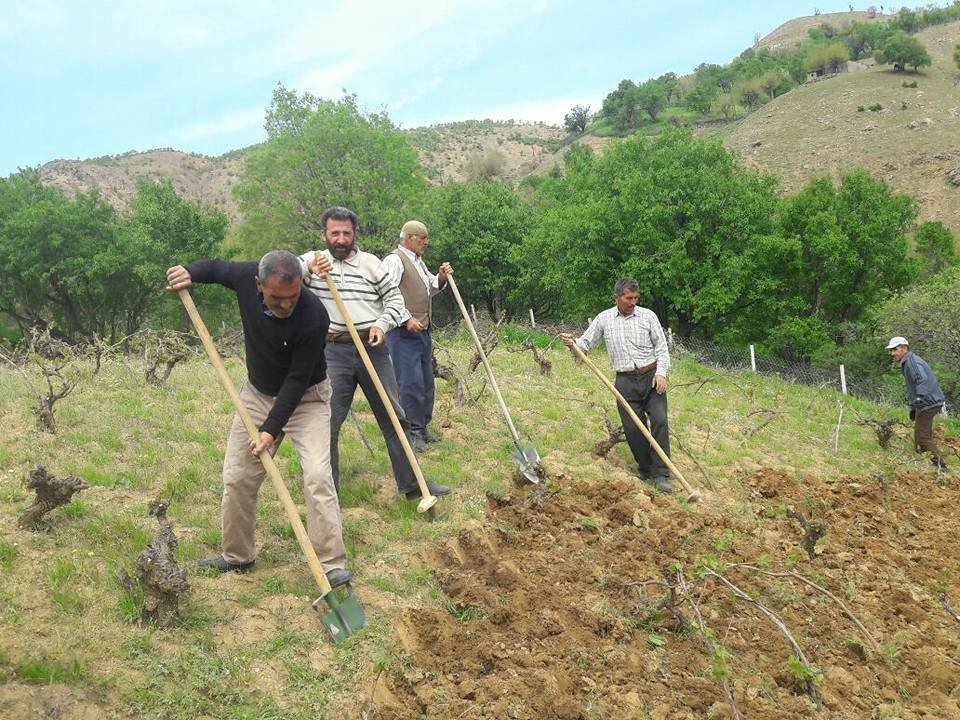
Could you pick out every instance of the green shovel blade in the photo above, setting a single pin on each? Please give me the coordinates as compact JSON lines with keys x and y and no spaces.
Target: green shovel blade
{"x":344,"y":615}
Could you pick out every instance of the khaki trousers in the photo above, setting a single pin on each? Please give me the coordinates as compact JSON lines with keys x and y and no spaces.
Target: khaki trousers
{"x":309,"y":431}
{"x":923,"y":438}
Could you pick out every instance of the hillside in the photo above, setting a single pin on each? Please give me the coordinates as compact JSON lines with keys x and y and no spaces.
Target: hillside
{"x":194,"y":176}
{"x":911,"y":142}
{"x":796,"y":30}
{"x":447,"y":151}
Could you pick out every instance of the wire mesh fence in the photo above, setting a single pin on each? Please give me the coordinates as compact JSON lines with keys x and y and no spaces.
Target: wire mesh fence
{"x":875,"y":389}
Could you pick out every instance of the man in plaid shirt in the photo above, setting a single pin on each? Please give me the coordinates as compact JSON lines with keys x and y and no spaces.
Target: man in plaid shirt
{"x":639,"y":355}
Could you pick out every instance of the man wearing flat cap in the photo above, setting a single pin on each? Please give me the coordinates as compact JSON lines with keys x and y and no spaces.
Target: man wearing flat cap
{"x":411,"y":347}
{"x":924,"y":395}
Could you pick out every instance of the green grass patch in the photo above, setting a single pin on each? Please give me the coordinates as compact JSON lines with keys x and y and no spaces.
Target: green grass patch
{"x":47,"y":671}
{"x":8,"y":553}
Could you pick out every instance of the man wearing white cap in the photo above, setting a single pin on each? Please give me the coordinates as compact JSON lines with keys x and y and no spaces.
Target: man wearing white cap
{"x":925,"y":397}
{"x":411,"y":347}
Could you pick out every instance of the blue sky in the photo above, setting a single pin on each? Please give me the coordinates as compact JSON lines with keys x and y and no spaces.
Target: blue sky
{"x":83,"y":79}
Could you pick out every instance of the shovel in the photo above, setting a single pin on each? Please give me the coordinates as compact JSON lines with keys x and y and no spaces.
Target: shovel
{"x":346,"y":614}
{"x":528,"y":460}
{"x":427,"y":501}
{"x":693,"y":495}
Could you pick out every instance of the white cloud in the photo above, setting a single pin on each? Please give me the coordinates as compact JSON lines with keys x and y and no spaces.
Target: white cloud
{"x":228,"y":123}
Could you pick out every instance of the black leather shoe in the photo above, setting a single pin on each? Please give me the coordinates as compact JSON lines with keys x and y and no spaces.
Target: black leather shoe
{"x":434,"y":488}
{"x":338,"y":577}
{"x":430,"y":436}
{"x":219,"y":563}
{"x":418,"y":444}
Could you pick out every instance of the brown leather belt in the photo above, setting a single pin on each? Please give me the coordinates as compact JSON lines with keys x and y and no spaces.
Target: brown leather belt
{"x":344,"y":337}
{"x":639,"y":371}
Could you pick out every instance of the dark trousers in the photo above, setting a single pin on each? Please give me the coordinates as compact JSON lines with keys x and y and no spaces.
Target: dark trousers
{"x":651,"y":408}
{"x":923,"y":439}
{"x":346,"y":370}
{"x":412,"y":355}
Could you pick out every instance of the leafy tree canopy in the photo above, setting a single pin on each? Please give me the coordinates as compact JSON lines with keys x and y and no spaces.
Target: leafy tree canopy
{"x":321,"y":153}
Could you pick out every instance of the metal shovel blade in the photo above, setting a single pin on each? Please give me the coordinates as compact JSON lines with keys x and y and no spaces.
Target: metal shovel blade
{"x":528,"y":460}
{"x":345,"y":615}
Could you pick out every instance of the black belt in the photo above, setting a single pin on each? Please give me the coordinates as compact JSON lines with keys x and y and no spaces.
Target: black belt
{"x":344,"y":337}
{"x":639,"y":371}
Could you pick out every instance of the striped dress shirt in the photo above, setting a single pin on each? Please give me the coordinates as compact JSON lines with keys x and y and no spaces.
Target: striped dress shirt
{"x":633,"y":341}
{"x":370,"y":297}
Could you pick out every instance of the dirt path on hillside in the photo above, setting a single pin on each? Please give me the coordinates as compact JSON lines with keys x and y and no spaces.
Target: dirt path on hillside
{"x":560,"y":606}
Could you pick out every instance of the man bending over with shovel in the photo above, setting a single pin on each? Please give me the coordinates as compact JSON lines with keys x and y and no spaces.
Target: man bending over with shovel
{"x":638,"y":353}
{"x":287,"y":390}
{"x":375,"y":306}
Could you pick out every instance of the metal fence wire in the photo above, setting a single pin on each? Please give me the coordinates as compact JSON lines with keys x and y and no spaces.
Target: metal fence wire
{"x":874,"y":389}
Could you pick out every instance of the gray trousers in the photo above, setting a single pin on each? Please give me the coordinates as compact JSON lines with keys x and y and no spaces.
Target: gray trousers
{"x":243,"y":474}
{"x":638,"y":391}
{"x":346,"y":371}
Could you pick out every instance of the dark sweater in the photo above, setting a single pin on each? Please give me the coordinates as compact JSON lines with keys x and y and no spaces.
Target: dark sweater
{"x":284,"y":356}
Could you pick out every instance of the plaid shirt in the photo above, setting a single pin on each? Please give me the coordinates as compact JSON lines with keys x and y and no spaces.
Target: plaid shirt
{"x":633,"y":341}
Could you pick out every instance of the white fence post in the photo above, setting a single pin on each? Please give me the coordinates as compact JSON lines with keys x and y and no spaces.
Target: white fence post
{"x":669,"y":339}
{"x":473,"y":312}
{"x":533,"y":322}
{"x":843,"y":381}
{"x":753,"y":359}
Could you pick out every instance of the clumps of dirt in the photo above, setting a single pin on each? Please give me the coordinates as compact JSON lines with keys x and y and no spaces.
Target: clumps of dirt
{"x":51,"y":492}
{"x":160,"y":582}
{"x":571,"y":607}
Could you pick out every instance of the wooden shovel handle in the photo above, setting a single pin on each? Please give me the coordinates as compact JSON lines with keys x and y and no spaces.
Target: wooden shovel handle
{"x":486,"y":363}
{"x":427,"y":500}
{"x":633,"y":416}
{"x":293,"y":515}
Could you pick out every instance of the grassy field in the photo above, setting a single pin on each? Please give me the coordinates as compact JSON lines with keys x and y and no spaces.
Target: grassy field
{"x":250,"y":646}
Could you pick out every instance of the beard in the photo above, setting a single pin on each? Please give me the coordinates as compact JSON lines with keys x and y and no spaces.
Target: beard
{"x":342,"y":252}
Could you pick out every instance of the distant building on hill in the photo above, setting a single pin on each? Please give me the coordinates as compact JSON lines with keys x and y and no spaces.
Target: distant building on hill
{"x":828,"y":72}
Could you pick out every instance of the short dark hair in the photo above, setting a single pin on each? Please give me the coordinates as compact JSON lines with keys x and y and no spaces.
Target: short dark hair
{"x":338,"y":213}
{"x":280,"y":264}
{"x":625,"y":284}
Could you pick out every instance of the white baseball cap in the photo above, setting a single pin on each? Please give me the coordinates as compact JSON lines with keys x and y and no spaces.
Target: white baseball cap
{"x":896,"y":342}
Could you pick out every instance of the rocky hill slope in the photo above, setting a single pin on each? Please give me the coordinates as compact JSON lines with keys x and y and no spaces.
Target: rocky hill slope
{"x":911,"y":140}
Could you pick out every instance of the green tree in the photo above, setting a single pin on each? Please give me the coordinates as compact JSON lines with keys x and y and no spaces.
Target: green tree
{"x":475,"y":226}
{"x":159,"y":229}
{"x":935,"y":247}
{"x":851,"y":245}
{"x":321,"y":153}
{"x":902,"y":50}
{"x":576,"y":120}
{"x":701,"y":96}
{"x":749,"y":94}
{"x":621,"y":107}
{"x":676,"y":213}
{"x":928,"y":315}
{"x":74,"y":264}
{"x":652,"y":98}
{"x":826,"y":58}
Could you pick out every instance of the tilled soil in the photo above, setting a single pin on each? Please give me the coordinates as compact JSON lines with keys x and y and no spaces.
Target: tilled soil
{"x":566,"y":603}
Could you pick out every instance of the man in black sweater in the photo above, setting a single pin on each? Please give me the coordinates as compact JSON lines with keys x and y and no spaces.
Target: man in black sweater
{"x":284,"y":334}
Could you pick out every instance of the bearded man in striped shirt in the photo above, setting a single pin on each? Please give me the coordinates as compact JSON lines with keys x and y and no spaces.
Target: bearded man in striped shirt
{"x":639,"y":355}
{"x":376,"y":306}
